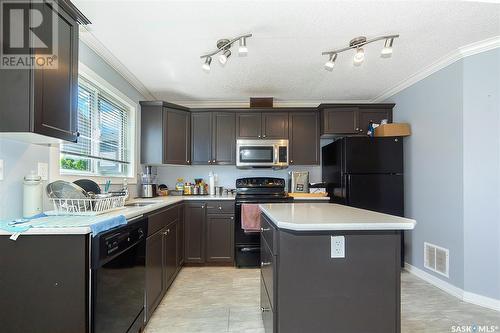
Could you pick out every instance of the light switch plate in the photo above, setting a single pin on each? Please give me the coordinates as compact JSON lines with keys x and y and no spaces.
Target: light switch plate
{"x":43,"y":170}
{"x":338,"y":247}
{"x":1,"y":170}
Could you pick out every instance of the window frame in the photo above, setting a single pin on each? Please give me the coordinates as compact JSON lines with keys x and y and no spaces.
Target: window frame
{"x":101,"y":84}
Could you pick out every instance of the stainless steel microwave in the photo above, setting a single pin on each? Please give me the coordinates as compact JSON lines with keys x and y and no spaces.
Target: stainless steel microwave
{"x":262,"y":154}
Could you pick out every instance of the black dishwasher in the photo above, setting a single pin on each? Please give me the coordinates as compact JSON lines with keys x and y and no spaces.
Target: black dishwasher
{"x":118,"y":278}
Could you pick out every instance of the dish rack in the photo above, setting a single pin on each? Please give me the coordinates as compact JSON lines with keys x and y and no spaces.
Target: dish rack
{"x":88,"y":207}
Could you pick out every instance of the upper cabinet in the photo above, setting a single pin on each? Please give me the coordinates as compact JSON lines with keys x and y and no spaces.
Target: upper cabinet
{"x":342,"y":119}
{"x":262,"y":125}
{"x":165,"y":134}
{"x":304,"y":138}
{"x":213,"y":137}
{"x":41,"y":105}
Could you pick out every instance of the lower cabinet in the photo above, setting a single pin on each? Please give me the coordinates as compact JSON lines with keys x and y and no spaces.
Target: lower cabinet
{"x":208,"y":234}
{"x":220,"y":238}
{"x":163,"y":255}
{"x":155,"y":286}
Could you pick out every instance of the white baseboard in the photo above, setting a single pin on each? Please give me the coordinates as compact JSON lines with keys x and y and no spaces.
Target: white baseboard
{"x":466,"y":296}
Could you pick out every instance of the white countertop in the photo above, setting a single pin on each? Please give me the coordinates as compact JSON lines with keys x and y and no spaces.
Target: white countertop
{"x":129,"y":212}
{"x":321,"y":216}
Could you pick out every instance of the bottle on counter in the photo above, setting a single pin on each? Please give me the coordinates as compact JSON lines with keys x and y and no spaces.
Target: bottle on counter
{"x":179,"y":186}
{"x":211,"y":183}
{"x":32,"y":195}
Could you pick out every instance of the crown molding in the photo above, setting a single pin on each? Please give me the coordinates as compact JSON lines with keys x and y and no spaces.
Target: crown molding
{"x":92,"y":42}
{"x":450,"y":58}
{"x":246,"y":103}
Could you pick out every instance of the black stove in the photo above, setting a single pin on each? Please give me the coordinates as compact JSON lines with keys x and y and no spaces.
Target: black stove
{"x":255,"y":191}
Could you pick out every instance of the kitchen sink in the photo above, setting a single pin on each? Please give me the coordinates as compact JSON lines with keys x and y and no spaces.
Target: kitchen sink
{"x":139,"y":204}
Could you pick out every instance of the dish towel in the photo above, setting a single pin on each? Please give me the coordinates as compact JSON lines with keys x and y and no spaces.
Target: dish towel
{"x":250,"y":217}
{"x":96,"y":224}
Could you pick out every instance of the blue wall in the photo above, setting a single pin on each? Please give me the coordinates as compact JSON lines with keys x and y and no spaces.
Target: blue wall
{"x":19,"y":157}
{"x":452,"y":169}
{"x":481,"y":141}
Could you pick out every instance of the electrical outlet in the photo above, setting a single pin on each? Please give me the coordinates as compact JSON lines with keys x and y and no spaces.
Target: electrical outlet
{"x":1,"y":170}
{"x":338,"y":247}
{"x":43,"y":170}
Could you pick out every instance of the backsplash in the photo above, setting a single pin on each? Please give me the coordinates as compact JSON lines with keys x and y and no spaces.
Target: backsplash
{"x":227,"y":174}
{"x":19,"y":159}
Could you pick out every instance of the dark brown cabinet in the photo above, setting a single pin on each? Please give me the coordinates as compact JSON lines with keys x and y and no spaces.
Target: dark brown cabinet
{"x":220,"y":238}
{"x":155,"y":282}
{"x":170,"y":252}
{"x":275,"y":125}
{"x":194,"y":232}
{"x":304,"y":138}
{"x":366,"y":117}
{"x":44,"y":101}
{"x":338,"y":119}
{"x":248,"y":125}
{"x":213,"y":138}
{"x":163,"y":256}
{"x":262,"y":125}
{"x":209,"y":232}
{"x":165,"y":134}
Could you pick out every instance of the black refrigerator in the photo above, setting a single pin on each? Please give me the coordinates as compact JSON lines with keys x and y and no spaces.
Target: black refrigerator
{"x":366,"y":173}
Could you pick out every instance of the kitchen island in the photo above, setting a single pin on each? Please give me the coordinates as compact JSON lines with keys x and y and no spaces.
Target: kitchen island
{"x":330,"y":268}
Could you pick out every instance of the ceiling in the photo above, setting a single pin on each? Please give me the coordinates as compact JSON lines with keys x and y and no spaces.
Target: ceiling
{"x":160,"y":43}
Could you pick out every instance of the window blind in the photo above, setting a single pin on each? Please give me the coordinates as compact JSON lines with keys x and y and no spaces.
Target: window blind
{"x":103,"y":124}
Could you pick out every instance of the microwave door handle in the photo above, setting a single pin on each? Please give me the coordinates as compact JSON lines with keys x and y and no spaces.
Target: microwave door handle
{"x":276,"y":153}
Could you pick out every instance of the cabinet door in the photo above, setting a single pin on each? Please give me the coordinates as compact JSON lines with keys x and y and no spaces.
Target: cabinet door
{"x":194,"y":233}
{"x":180,"y":238}
{"x":275,"y":125}
{"x":224,"y":138}
{"x":155,"y":285}
{"x":177,"y":138}
{"x":304,"y":138}
{"x":220,"y":238}
{"x":372,"y":116}
{"x":340,"y":120}
{"x":201,"y":137}
{"x":170,"y":247}
{"x":56,"y":90}
{"x":248,"y":125}
{"x":151,"y":135}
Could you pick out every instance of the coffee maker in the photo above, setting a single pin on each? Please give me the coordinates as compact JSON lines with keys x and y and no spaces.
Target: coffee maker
{"x":298,"y":182}
{"x":148,"y":184}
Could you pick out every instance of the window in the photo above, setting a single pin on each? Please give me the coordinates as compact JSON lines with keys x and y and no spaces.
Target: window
{"x":105,"y":141}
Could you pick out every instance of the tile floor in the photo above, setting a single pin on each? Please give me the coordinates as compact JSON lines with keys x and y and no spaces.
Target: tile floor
{"x":224,"y":299}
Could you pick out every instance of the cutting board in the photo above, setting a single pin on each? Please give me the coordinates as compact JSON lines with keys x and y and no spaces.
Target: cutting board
{"x":308,"y":195}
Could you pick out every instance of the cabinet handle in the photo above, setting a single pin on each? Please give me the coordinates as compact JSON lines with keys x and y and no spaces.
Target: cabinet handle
{"x":232,"y":217}
{"x":263,"y":309}
{"x":202,"y":206}
{"x":209,"y":161}
{"x":259,"y":136}
{"x":291,"y":161}
{"x":262,"y":264}
{"x":264,"y":229}
{"x":213,"y":161}
{"x":264,"y":136}
{"x":357,"y":129}
{"x":220,"y":207}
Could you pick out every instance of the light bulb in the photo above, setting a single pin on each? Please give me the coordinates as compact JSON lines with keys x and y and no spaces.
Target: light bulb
{"x":206,"y":65}
{"x":223,"y":57}
{"x":359,"y":56}
{"x":331,"y":62}
{"x":243,"y":50}
{"x":387,"y":50}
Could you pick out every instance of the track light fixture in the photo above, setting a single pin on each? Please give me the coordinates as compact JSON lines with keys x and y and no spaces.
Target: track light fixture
{"x":357,"y":44}
{"x":331,"y":62}
{"x":223,"y":49}
{"x":206,"y":65}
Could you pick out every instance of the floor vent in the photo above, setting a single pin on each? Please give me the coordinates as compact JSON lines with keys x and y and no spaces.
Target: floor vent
{"x":437,"y":259}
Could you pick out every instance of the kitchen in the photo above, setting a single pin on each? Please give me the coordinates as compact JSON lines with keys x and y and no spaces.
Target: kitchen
{"x":225,"y":210}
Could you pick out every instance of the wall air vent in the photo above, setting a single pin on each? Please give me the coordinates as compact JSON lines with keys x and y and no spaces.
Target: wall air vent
{"x":437,"y":259}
